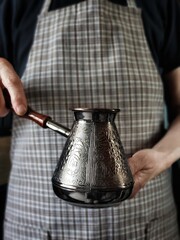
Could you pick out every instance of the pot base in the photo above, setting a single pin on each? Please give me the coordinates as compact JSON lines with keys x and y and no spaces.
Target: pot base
{"x":92,"y":198}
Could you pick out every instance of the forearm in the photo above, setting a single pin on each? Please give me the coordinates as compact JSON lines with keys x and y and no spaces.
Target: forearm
{"x":146,"y":164}
{"x":170,"y":143}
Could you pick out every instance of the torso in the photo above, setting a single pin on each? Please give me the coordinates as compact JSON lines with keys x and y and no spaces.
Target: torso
{"x":86,"y":55}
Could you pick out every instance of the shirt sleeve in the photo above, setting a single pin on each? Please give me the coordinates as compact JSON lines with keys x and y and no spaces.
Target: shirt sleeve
{"x":5,"y":40}
{"x":170,"y":58}
{"x":161,"y":20}
{"x":17,"y":25}
{"x":5,"y":29}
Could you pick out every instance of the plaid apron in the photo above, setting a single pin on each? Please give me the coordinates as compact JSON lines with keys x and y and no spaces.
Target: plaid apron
{"x":90,"y":54}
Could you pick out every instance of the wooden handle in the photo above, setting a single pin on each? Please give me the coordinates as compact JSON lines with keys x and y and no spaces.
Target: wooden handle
{"x":36,"y":117}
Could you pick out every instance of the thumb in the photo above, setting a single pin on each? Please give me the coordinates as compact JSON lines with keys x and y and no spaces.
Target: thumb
{"x":11,"y":81}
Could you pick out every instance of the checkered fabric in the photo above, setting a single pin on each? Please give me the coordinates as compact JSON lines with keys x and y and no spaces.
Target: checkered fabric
{"x":90,"y":54}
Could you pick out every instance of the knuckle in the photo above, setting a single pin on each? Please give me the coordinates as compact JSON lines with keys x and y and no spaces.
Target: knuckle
{"x":11,"y":80}
{"x":3,"y":63}
{"x":8,"y":75}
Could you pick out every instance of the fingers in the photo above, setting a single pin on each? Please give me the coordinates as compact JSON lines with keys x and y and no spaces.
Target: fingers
{"x":140,"y":171}
{"x":11,"y":81}
{"x":138,"y":185}
{"x":134,"y":166}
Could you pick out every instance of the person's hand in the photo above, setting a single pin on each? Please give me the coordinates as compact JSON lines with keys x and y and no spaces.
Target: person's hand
{"x":10,"y":80}
{"x":147,"y":164}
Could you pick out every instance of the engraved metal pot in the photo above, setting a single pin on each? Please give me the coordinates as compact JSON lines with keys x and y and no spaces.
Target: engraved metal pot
{"x":93,"y":170}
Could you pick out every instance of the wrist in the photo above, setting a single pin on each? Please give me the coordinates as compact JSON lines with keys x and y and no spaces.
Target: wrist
{"x":169,"y":156}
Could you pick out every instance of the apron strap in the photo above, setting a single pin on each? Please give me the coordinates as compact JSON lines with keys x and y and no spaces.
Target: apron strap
{"x":45,"y":7}
{"x":132,"y":3}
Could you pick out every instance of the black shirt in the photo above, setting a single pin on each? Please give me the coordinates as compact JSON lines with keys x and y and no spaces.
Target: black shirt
{"x":161,"y":20}
{"x":18,"y":19}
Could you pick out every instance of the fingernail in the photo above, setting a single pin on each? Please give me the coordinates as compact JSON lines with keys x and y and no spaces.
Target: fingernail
{"x":21,"y":110}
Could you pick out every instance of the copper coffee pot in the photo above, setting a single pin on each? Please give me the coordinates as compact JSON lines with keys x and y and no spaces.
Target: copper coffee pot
{"x":93,"y":170}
